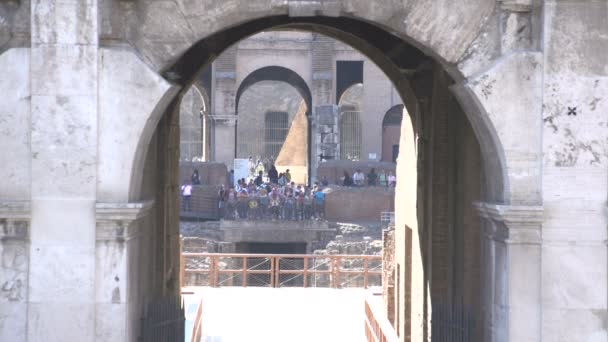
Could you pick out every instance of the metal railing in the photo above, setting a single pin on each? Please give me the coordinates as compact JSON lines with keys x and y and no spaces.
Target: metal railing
{"x":281,"y":270}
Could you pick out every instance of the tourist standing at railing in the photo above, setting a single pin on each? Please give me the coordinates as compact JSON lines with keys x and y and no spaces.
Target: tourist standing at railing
{"x":382,"y":180}
{"x":259,"y":167}
{"x":275,"y":204}
{"x":348,"y":180}
{"x":231,"y":178}
{"x":282,"y":181}
{"x":253,"y":207}
{"x":259,"y":180}
{"x":319,"y":202}
{"x":308,"y":204}
{"x":186,"y":189}
{"x":300,"y":204}
{"x":195,"y":178}
{"x":273,"y":175}
{"x":264,"y":201}
{"x":266,"y":164}
{"x":230,"y":204}
{"x":241,"y":204}
{"x":221,"y":198}
{"x":289,"y":205}
{"x":251,"y":167}
{"x":359,"y":178}
{"x":324,"y":181}
{"x":287,"y":176}
{"x":392,"y":179}
{"x":372,"y":177}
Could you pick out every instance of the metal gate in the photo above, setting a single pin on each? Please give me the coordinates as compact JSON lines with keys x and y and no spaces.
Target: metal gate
{"x":276,"y":127}
{"x":350,"y":136}
{"x":452,"y":324}
{"x":163,"y":321}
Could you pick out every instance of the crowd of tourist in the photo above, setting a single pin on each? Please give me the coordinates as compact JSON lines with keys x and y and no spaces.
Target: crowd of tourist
{"x":267,"y":194}
{"x":271,"y":197}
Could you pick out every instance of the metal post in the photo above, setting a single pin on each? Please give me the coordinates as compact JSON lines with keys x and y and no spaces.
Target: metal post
{"x":272,"y":270}
{"x":245,"y":271}
{"x":214,"y":271}
{"x":365,"y":272}
{"x":305,"y":271}
{"x":182,"y":263}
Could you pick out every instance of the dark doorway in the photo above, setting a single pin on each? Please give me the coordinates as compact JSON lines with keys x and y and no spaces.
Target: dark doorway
{"x":347,"y":74}
{"x":395,"y":153}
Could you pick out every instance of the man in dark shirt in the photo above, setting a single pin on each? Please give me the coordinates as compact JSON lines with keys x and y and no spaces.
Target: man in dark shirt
{"x":372,"y":177}
{"x":259,"y":180}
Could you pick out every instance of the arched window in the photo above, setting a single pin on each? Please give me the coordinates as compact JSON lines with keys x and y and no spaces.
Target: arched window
{"x":350,"y":122}
{"x":391,"y":133}
{"x":276,"y":126}
{"x":350,"y":135}
{"x":192,"y":112}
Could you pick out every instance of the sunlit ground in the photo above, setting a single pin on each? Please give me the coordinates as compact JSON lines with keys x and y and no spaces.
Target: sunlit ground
{"x":280,"y":315}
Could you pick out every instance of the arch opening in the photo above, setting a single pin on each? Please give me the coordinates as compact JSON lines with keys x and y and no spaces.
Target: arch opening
{"x":441,"y":174}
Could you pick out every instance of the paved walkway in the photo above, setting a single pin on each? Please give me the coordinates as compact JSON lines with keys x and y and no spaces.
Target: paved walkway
{"x":281,"y":315}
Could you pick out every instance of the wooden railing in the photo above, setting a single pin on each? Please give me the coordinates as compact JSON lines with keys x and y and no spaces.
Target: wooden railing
{"x":281,"y":270}
{"x":377,"y":326}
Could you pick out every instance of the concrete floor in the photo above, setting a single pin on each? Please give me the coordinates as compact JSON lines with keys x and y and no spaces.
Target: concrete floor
{"x":281,"y":315}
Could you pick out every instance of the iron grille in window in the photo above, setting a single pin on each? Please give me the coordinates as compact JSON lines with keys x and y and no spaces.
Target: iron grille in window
{"x":350,"y":136}
{"x":191,"y":141}
{"x":276,"y":126}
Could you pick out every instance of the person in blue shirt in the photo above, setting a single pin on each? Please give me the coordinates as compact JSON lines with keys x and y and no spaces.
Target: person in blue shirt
{"x":319,"y":203}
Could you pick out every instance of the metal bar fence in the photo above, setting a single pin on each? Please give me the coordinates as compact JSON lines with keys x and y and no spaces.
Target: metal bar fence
{"x":350,"y":135}
{"x":281,"y":270}
{"x":163,"y":321}
{"x":452,"y":324}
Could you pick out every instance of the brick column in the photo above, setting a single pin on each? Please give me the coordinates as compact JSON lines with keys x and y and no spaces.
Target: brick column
{"x":512,"y":273}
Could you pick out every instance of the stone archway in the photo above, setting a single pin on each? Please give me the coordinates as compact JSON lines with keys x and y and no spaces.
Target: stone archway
{"x":401,"y":56}
{"x":279,"y":74}
{"x":291,"y":150}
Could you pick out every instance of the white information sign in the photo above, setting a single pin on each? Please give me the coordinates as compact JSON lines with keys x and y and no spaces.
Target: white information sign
{"x":241,"y":169}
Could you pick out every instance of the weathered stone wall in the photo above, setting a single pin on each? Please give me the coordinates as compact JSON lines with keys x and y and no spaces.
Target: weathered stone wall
{"x":210,"y":173}
{"x":575,"y":172}
{"x":348,"y":204}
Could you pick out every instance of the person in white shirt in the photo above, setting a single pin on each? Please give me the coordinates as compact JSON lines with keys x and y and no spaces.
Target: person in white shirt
{"x":392,"y":179}
{"x":359,"y":178}
{"x":186,"y":195}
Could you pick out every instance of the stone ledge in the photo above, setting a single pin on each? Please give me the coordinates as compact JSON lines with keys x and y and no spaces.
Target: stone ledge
{"x":115,"y":220}
{"x":15,"y":210}
{"x":513,"y":223}
{"x":123,"y":211}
